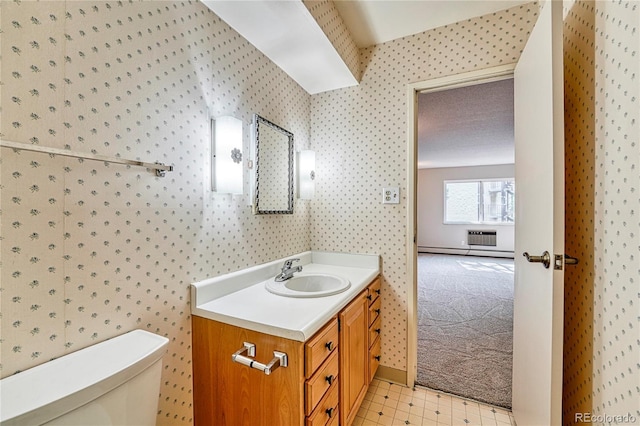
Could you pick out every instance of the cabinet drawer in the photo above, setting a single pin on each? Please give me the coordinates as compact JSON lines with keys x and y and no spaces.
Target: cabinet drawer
{"x":374,"y":310}
{"x":374,"y":359}
{"x":373,"y":291}
{"x":320,"y":382}
{"x":320,"y":346}
{"x":374,"y":330}
{"x":327,"y":409}
{"x":334,"y":422}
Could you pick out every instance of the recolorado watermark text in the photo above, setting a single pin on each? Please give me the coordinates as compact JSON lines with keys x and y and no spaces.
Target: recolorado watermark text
{"x":605,"y":418}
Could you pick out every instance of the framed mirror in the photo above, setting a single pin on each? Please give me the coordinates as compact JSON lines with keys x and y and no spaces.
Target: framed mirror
{"x":273,"y":192}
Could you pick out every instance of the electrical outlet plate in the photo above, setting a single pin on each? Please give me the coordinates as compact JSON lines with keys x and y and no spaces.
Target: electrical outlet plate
{"x":391,"y":195}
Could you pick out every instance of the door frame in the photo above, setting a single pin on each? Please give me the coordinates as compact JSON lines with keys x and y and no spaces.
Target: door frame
{"x":413,"y":89}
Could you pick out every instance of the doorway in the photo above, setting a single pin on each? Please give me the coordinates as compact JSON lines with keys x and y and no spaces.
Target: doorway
{"x":465,"y":209}
{"x":458,"y":81}
{"x":539,"y":265}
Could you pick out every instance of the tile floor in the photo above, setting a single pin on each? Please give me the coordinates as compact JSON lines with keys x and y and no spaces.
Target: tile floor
{"x":391,"y":404}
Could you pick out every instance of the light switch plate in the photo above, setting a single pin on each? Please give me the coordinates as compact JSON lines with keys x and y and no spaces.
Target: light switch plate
{"x":391,"y":195}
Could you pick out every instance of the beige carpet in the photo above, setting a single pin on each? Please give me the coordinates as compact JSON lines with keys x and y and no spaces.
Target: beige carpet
{"x":465,"y":326}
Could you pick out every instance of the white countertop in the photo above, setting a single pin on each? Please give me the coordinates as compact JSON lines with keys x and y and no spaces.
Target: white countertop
{"x":241,"y":299}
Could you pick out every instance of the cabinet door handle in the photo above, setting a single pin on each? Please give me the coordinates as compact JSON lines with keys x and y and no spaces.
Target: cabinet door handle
{"x":329,"y":346}
{"x":369,"y":297}
{"x":329,"y":379}
{"x":377,"y":311}
{"x":377,"y":330}
{"x":377,"y":291}
{"x":330,"y":411}
{"x":377,"y":357}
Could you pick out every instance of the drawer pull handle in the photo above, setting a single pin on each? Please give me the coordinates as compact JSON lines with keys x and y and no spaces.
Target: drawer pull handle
{"x":280,"y":359}
{"x":330,"y":411}
{"x":377,"y":330}
{"x":369,"y":297}
{"x":329,"y":379}
{"x":377,"y":291}
{"x":329,"y":346}
{"x":377,"y":357}
{"x":377,"y":311}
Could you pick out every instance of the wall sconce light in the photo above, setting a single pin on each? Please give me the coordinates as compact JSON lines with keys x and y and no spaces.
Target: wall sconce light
{"x":226,"y":148}
{"x":306,"y":174}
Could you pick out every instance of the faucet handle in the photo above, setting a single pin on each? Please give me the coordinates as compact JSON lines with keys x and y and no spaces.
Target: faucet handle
{"x":289,"y":262}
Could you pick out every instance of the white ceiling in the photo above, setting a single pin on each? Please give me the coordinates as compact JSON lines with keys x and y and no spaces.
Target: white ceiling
{"x":286,"y":33}
{"x":377,"y":21}
{"x":466,"y":126}
{"x":462,"y":128}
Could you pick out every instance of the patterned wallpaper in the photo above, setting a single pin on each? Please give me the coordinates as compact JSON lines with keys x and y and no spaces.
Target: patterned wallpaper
{"x":579,"y":75}
{"x":92,"y":250}
{"x":359,"y":137}
{"x":326,"y":15}
{"x":616,"y":346}
{"x":602,"y":133}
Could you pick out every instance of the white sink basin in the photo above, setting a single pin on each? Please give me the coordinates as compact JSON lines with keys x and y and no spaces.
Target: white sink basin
{"x":311,"y":285}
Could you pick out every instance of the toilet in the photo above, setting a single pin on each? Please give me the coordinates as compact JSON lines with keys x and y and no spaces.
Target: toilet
{"x":115,"y":382}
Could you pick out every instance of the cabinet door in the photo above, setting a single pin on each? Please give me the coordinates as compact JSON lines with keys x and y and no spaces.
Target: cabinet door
{"x":231,"y":394}
{"x":354,"y":351}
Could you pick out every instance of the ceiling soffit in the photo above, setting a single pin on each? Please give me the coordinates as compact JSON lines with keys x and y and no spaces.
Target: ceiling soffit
{"x":287,"y":33}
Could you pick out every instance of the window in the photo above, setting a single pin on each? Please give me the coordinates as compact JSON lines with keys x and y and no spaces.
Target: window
{"x":479,"y":201}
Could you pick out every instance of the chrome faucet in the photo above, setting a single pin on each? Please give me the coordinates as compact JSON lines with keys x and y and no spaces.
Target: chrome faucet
{"x":287,"y":270}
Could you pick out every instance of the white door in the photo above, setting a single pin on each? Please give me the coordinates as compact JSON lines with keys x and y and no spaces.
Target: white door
{"x":539,"y":225}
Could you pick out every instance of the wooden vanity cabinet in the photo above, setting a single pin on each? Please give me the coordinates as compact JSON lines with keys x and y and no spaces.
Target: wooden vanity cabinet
{"x":354,"y":380}
{"x":323,"y":385}
{"x":322,"y":376}
{"x":360,"y":326}
{"x":375,"y":327}
{"x":228,"y":393}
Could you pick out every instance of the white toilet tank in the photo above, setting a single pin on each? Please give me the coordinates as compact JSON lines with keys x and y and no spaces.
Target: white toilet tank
{"x":116,"y":382}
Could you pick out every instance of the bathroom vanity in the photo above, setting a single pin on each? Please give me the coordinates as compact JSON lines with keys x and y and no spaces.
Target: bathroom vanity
{"x":261,"y":358}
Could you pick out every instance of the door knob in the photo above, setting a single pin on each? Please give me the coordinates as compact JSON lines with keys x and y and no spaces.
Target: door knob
{"x":545,"y":259}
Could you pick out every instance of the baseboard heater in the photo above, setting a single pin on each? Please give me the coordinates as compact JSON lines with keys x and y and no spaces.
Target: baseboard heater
{"x":469,"y":251}
{"x":481,"y":238}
